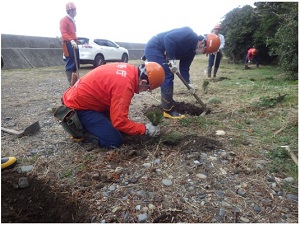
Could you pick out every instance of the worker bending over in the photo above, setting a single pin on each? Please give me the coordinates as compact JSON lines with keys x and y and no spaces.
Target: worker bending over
{"x":99,"y":103}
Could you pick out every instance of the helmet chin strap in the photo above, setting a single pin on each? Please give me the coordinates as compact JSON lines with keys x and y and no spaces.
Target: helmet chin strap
{"x":143,"y":73}
{"x":142,"y":69}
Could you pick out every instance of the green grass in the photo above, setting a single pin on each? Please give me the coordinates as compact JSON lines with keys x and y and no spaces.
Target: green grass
{"x":256,"y":104}
{"x":281,"y":163}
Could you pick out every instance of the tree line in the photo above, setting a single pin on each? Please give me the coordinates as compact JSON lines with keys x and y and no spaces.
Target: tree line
{"x":271,"y":27}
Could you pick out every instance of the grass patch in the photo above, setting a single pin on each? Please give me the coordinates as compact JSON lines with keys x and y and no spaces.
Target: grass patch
{"x":260,"y":105}
{"x":172,"y":138}
{"x":282,"y":163}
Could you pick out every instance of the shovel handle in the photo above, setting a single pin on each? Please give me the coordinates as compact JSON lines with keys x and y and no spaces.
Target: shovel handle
{"x":76,"y":63}
{"x":11,"y":131}
{"x":189,"y":88}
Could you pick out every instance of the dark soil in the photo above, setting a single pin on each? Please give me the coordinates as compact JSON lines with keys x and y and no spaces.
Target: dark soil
{"x":184,"y":108}
{"x":41,"y":202}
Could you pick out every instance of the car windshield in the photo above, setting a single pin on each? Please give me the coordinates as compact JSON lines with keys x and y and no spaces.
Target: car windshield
{"x":83,"y":41}
{"x":104,"y":42}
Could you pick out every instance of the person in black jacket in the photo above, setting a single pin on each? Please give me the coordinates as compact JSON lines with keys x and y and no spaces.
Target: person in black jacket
{"x":178,"y":44}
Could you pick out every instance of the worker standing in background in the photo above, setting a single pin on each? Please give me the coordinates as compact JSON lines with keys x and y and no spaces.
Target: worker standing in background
{"x":178,"y":44}
{"x":69,"y":39}
{"x":252,"y":56}
{"x":214,"y":59}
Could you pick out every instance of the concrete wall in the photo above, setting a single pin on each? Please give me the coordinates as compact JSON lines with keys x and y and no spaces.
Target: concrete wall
{"x":21,"y":52}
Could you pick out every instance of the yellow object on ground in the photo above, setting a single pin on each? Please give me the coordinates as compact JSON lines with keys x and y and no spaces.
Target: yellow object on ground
{"x":77,"y":139}
{"x":8,"y":162}
{"x":177,"y":116}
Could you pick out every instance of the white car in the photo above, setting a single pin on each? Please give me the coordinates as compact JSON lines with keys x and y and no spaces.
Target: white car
{"x":99,"y":51}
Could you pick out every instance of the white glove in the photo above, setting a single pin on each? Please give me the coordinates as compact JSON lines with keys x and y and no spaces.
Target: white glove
{"x":193,"y":89}
{"x":249,"y":61}
{"x":173,"y":66}
{"x":151,"y":130}
{"x":73,"y":43}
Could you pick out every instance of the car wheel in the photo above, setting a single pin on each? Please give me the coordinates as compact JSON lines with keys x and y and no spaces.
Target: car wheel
{"x":124,"y":58}
{"x":99,"y":60}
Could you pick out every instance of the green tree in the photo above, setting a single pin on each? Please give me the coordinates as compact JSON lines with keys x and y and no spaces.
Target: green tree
{"x":272,"y":27}
{"x":238,"y":28}
{"x":279,"y":25}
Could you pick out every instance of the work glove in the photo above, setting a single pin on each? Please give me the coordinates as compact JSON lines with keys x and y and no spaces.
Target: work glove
{"x":193,"y":89}
{"x":73,"y":43}
{"x":151,"y":130}
{"x":173,"y":66}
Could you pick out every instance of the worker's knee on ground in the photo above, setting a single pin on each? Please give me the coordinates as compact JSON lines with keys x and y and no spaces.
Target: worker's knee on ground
{"x":112,"y":144}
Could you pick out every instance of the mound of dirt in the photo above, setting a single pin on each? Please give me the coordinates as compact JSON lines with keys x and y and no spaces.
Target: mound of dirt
{"x":183,"y":108}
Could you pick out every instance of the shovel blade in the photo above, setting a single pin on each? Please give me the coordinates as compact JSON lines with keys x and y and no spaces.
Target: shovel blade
{"x":32,"y":129}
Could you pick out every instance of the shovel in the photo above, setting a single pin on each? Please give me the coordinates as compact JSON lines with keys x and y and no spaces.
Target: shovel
{"x":205,"y":109}
{"x":32,"y":129}
{"x":75,"y":77}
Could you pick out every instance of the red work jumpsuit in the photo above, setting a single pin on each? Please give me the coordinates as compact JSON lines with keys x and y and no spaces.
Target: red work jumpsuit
{"x":68,"y":33}
{"x":106,"y":90}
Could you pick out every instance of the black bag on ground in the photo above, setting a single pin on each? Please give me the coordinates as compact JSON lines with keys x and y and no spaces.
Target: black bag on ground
{"x":69,"y":120}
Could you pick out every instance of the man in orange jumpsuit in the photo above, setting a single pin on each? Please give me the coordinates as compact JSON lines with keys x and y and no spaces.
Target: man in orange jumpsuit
{"x":102,"y":98}
{"x":69,"y":38}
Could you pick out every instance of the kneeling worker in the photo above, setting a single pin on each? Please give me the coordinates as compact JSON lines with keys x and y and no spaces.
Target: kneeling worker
{"x":102,"y":97}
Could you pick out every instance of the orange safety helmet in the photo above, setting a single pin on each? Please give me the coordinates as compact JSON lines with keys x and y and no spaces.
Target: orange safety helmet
{"x":212,"y":43}
{"x":254,"y":51}
{"x":70,"y":5}
{"x":155,"y":73}
{"x":218,"y":26}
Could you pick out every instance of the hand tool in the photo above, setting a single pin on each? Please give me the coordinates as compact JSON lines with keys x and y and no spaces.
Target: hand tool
{"x":30,"y":130}
{"x":192,"y":91}
{"x":75,"y":77}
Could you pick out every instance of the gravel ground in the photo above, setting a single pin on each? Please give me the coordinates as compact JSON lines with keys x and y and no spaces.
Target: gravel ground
{"x":197,"y":177}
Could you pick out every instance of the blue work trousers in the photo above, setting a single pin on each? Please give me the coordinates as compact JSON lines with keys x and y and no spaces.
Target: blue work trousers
{"x":99,"y":125}
{"x":155,"y":53}
{"x":212,"y":60}
{"x":70,"y":61}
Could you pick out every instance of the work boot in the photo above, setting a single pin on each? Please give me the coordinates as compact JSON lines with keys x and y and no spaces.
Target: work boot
{"x":173,"y":114}
{"x":69,"y":76}
{"x":81,"y":139}
{"x":209,"y":71}
{"x":8,"y":163}
{"x":247,"y":67}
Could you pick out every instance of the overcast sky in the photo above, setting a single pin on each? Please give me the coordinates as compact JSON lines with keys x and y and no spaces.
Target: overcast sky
{"x":118,"y":20}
